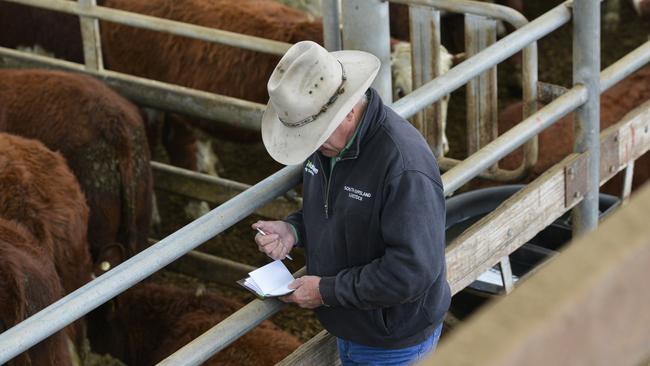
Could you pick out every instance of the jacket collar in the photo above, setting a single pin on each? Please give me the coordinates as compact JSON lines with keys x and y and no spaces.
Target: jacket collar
{"x":373,"y":118}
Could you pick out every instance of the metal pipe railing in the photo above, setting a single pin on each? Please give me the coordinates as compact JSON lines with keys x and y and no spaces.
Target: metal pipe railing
{"x":493,"y":11}
{"x":219,"y":337}
{"x":78,"y":303}
{"x":586,"y":71}
{"x":366,"y":29}
{"x":512,"y":139}
{"x":331,"y":25}
{"x":75,"y":305}
{"x":529,"y":74}
{"x":484,"y":60}
{"x":162,"y":25}
{"x":202,"y":348}
{"x":608,"y":78}
{"x":195,"y":103}
{"x":226,"y":332}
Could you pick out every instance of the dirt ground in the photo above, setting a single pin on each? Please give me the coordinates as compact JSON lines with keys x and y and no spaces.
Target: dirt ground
{"x":249,"y":163}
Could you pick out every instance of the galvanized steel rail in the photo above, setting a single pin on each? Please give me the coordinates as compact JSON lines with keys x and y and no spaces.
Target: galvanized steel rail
{"x":586,"y":71}
{"x":192,"y":102}
{"x":162,"y":25}
{"x":204,"y":347}
{"x":529,"y":77}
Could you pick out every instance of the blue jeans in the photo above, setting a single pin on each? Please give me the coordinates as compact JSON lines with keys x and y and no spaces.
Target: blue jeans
{"x":354,"y":354}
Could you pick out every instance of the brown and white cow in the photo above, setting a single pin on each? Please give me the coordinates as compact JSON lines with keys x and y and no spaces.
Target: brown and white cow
{"x":38,"y":191}
{"x":28,"y":283}
{"x":102,"y":137}
{"x":43,"y":249}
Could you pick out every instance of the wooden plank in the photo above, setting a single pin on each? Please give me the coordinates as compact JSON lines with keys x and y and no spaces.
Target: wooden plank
{"x":588,"y":306}
{"x":427,"y":65}
{"x":320,"y":350}
{"x":506,"y":274}
{"x":530,"y":210}
{"x":211,"y":268}
{"x":504,"y":230}
{"x":214,"y":189}
{"x":480,"y":32}
{"x":91,"y":38}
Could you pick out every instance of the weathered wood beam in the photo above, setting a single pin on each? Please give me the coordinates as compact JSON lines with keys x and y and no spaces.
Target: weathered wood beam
{"x":215,"y":190}
{"x":316,"y":351}
{"x":207,"y":267}
{"x":588,"y":306}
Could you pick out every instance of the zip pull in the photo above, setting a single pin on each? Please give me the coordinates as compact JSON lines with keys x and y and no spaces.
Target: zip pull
{"x":326,"y":211}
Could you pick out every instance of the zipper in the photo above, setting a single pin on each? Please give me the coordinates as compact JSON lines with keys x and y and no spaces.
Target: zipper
{"x":327,"y":189}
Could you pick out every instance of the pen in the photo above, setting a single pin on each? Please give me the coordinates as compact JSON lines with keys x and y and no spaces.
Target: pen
{"x":263,"y":233}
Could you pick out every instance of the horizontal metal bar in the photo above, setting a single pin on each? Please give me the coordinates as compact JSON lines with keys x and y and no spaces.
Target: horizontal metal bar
{"x":163,"y":25}
{"x":493,"y":11}
{"x":484,"y":60}
{"x":75,"y":305}
{"x":625,"y":66}
{"x":226,"y":332}
{"x":215,"y":190}
{"x":513,"y":138}
{"x":191,"y":102}
{"x":473,"y":166}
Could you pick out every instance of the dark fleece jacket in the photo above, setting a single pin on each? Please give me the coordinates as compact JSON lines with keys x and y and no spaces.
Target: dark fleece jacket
{"x":374,"y":229}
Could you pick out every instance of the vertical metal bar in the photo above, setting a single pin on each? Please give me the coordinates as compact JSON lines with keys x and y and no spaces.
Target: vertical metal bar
{"x":426,"y":66}
{"x":480,"y":33}
{"x":506,"y":274}
{"x":331,"y":25}
{"x":586,"y":71}
{"x":365,"y":27}
{"x":91,"y":38}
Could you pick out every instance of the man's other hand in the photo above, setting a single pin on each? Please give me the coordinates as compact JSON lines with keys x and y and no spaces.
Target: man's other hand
{"x":307,"y":295}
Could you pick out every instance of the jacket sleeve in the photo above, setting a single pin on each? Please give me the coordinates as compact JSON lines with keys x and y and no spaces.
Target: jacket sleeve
{"x":295,"y":220}
{"x":413,"y":229}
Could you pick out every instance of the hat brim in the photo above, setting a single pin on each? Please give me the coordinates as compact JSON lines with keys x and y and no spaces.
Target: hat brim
{"x":292,"y":145}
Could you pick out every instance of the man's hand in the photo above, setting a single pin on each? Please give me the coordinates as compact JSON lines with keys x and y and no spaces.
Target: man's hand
{"x":307,"y":295}
{"x":279,"y":238}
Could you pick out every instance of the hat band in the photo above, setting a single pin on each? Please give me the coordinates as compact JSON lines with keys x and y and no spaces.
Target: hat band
{"x":324,"y":108}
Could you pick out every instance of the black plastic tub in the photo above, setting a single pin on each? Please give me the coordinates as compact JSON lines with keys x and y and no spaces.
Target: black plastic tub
{"x":465,"y":209}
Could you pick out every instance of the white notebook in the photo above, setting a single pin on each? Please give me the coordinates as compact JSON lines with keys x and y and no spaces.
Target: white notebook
{"x":271,"y":280}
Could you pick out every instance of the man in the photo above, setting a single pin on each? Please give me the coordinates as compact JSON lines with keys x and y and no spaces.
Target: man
{"x":372,"y":221}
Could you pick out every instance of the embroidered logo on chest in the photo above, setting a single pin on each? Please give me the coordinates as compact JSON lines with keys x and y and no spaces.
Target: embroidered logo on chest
{"x":356,"y":193}
{"x":311,"y":168}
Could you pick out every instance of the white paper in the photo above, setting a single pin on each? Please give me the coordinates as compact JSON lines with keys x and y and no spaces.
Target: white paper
{"x":493,"y":276}
{"x":272,"y":278}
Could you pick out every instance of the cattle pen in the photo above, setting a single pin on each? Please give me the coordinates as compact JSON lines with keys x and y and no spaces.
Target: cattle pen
{"x":570,"y":185}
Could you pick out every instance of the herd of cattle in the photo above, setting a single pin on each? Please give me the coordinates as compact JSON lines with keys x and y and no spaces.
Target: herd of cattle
{"x":76,"y":184}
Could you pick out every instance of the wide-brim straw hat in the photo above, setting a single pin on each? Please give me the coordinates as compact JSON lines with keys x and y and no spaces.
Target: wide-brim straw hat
{"x":311,"y":91}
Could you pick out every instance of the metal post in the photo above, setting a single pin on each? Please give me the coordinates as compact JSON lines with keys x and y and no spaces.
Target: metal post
{"x":586,"y":71}
{"x":331,"y":25}
{"x":365,"y":27}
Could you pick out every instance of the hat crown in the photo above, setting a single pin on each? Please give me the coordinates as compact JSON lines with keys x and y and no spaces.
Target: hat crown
{"x":303,"y":82}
